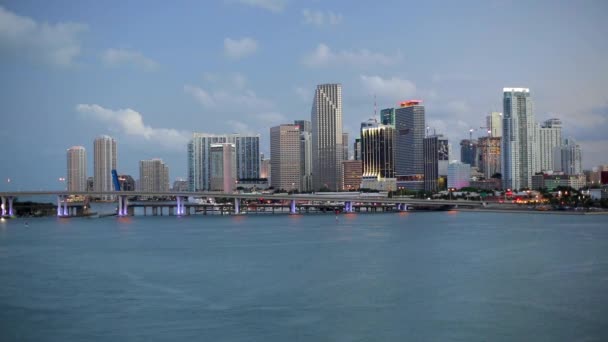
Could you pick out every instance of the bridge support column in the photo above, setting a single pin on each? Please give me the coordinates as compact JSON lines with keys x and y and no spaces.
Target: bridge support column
{"x":123,"y":205}
{"x":66,"y":211}
{"x":292,"y":207}
{"x":180,"y":206}
{"x":237,"y":206}
{"x":10,"y":206}
{"x":3,"y":207}
{"x":348,"y":207}
{"x":59,"y":206}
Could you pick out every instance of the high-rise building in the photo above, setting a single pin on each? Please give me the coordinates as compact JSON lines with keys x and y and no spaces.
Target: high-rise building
{"x":326,"y":119}
{"x":223,"y":167}
{"x":410,"y":129}
{"x":494,"y":124}
{"x":378,"y":156}
{"x":387,"y":116}
{"x":345,"y":146}
{"x":549,"y":137}
{"x":489,"y":155}
{"x":459,"y":175}
{"x":305,"y":155}
{"x":567,"y":158}
{"x":285,"y":157}
{"x":153,"y":175}
{"x":519,"y":148}
{"x":180,"y":185}
{"x":247,"y":154}
{"x":357,"y":149}
{"x":436,"y":160}
{"x":104,"y":161}
{"x":352,"y":174}
{"x":469,"y":152}
{"x":127,"y":183}
{"x":77,"y":168}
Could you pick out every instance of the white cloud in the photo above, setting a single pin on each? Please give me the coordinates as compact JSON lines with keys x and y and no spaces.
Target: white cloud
{"x":270,"y":5}
{"x":228,"y":98}
{"x":56,"y":44}
{"x":116,"y":57}
{"x":239,"y":48}
{"x":393,"y":89}
{"x":324,"y":56}
{"x":131,"y":123}
{"x":320,"y":18}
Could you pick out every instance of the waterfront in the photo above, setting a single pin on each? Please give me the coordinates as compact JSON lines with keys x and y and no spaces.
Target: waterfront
{"x":461,"y":276}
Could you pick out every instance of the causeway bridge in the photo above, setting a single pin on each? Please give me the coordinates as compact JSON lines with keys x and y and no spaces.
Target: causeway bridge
{"x":347,"y":202}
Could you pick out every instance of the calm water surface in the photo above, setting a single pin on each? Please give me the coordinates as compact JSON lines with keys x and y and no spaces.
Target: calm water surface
{"x":449,"y":276}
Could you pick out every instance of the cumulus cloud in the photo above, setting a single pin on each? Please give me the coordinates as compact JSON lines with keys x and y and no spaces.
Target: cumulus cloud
{"x":270,"y":5}
{"x":239,"y":48}
{"x":323,"y":56}
{"x":117,"y":57}
{"x":228,"y":98}
{"x":131,"y":123}
{"x":321,"y":18}
{"x":393,"y":88}
{"x":56,"y":44}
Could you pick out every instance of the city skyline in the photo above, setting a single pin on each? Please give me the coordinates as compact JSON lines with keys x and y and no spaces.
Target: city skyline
{"x":150,"y":95}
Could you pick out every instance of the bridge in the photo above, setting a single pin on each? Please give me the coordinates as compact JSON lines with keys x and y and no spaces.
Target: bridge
{"x":346,"y":201}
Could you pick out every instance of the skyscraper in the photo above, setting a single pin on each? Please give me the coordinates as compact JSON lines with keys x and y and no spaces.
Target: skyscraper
{"x":494,"y":124}
{"x":549,"y":137}
{"x":77,"y":168}
{"x":357,"y":149}
{"x":345,"y":146}
{"x":409,"y":126}
{"x":489,"y":155}
{"x":247,"y":154}
{"x":378,"y":156}
{"x":305,"y":154}
{"x":436,"y":159}
{"x":153,"y":175}
{"x":352,"y":175}
{"x":223,"y":167}
{"x":568,"y":158}
{"x":305,"y":125}
{"x":104,"y":161}
{"x":326,"y":119}
{"x":285,"y":157}
{"x":519,"y":148}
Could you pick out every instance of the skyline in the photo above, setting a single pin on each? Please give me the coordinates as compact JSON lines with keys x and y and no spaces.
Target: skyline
{"x":77,"y":70}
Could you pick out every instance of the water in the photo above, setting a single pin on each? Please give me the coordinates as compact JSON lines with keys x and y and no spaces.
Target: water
{"x":447,"y":276}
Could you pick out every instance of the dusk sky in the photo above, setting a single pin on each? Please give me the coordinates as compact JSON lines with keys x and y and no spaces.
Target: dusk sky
{"x":149,"y":73}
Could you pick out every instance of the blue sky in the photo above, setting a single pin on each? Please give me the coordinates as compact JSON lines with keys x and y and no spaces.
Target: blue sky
{"x":149,"y":73}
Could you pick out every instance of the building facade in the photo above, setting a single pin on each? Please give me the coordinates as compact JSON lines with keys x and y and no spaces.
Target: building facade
{"x":387,"y":116}
{"x":153,"y":175}
{"x":223,"y":167}
{"x":410,"y":132}
{"x":352,"y":174}
{"x":247,"y":156}
{"x":77,"y":169}
{"x":568,"y":158}
{"x":357,"y":149}
{"x":326,"y":120}
{"x":519,"y":147}
{"x":489,"y":155}
{"x":377,"y":154}
{"x":345,"y":150}
{"x":469,"y":152}
{"x":459,"y":175}
{"x":494,"y":124}
{"x":549,"y":138}
{"x":285,"y":157}
{"x":436,"y":160}
{"x":104,"y":161}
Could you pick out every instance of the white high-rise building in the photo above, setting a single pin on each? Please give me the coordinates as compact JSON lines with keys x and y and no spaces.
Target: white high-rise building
{"x":223,"y":167}
{"x":285,"y":155}
{"x":153,"y":175}
{"x":549,"y":137}
{"x":494,"y":124}
{"x":103,"y":163}
{"x":327,"y":151}
{"x":567,"y":158}
{"x":77,"y":168}
{"x":519,"y":146}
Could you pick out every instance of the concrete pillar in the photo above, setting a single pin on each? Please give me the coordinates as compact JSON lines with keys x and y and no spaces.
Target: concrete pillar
{"x":145,"y":210}
{"x":10,"y":206}
{"x":59,"y":211}
{"x":3,"y":207}
{"x":237,"y":206}
{"x":292,"y":207}
{"x":66,"y":212}
{"x":119,"y":212}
